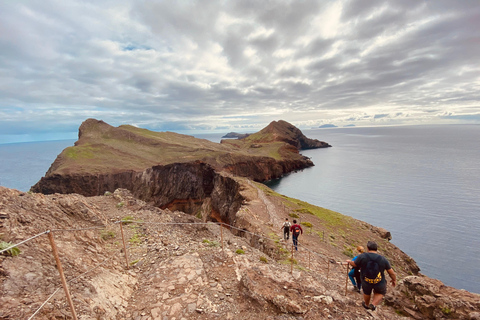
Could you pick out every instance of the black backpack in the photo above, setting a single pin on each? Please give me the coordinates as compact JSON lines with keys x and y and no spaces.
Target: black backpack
{"x":296,"y":231}
{"x":371,"y":272}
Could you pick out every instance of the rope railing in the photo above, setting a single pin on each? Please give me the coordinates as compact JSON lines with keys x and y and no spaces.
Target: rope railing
{"x":125,"y":221}
{"x":22,"y":242}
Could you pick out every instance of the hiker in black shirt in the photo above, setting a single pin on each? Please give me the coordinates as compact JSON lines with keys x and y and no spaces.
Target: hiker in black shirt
{"x":372,"y":268}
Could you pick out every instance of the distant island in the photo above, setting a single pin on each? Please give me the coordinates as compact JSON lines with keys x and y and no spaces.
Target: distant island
{"x":328,"y":126}
{"x":235,"y":135}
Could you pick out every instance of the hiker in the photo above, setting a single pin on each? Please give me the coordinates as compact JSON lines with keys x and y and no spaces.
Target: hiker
{"x":296,"y":230}
{"x":372,"y":269}
{"x":354,"y":274}
{"x":286,"y":229}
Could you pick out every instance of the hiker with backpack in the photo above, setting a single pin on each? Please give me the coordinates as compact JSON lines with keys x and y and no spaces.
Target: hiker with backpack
{"x":296,"y":230}
{"x":372,"y":269}
{"x":286,"y":229}
{"x":354,"y":274}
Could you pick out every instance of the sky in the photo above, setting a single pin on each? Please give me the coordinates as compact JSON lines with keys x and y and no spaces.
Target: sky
{"x":221,"y":66}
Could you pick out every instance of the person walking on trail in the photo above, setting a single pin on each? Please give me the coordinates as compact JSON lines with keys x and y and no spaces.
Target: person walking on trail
{"x":354,"y":274}
{"x":296,"y":230}
{"x":372,"y":269}
{"x":286,"y":229}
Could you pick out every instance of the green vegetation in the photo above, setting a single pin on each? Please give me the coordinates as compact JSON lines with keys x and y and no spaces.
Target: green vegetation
{"x":80,"y":152}
{"x":120,"y":204}
{"x":446,"y":310}
{"x":348,"y":252}
{"x":294,"y":215}
{"x":127,"y":219}
{"x":14,"y":251}
{"x":211,"y":243}
{"x":289,"y":261}
{"x":135,"y":239}
{"x":107,"y":234}
{"x":134,"y":262}
{"x":239,"y":251}
{"x":263,"y":259}
{"x":107,"y":193}
{"x":307,"y":224}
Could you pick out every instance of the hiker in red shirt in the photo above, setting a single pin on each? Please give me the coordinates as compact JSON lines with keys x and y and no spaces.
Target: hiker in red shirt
{"x":296,"y":230}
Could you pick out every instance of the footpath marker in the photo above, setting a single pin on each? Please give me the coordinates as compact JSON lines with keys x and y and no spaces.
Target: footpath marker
{"x":346,"y":280}
{"x":124,"y":246}
{"x":62,"y":275}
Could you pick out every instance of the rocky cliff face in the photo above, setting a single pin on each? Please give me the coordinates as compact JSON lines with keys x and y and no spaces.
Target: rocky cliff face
{"x":194,"y":188}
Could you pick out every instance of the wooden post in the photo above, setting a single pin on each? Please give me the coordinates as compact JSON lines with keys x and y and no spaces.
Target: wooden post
{"x":62,"y":275}
{"x":308,"y":259}
{"x":291,"y":266}
{"x":124,"y":246}
{"x":328,"y":268}
{"x":346,"y":280}
{"x":221,"y":236}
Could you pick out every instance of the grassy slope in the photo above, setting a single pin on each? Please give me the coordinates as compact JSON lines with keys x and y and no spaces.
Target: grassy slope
{"x":103,"y":149}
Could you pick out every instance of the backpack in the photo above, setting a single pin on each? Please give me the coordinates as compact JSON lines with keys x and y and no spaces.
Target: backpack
{"x":371,"y":272}
{"x":296,"y":231}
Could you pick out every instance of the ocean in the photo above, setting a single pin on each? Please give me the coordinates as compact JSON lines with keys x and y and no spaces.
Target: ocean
{"x":421,"y":183}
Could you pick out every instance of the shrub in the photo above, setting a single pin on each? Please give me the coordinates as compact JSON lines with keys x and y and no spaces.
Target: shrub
{"x":135,"y":239}
{"x":239,"y":251}
{"x":107,"y":234}
{"x":211,"y":243}
{"x":263,"y":259}
{"x":307,"y":224}
{"x":127,"y":219}
{"x":10,"y":252}
{"x":294,"y":215}
{"x":107,"y":193}
{"x":120,"y":204}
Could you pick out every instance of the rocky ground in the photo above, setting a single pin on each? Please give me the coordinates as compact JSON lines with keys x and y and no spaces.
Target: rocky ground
{"x":180,"y":267}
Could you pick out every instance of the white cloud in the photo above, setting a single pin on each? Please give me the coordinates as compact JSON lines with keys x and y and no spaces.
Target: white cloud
{"x":232,"y":64}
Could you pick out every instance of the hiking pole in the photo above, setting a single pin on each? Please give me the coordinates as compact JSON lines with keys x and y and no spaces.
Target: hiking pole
{"x":346,"y":280}
{"x":62,"y":275}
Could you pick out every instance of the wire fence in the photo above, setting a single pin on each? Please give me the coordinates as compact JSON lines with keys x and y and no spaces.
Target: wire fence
{"x":328,"y":261}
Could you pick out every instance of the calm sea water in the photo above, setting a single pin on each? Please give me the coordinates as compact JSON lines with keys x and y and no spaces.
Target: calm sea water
{"x":23,"y":164}
{"x":422,"y":183}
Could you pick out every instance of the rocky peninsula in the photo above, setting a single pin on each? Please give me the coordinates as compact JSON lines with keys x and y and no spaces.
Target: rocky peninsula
{"x":172,"y":192}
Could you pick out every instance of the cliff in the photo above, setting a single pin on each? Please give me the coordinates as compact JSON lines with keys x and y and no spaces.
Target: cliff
{"x":286,"y":132}
{"x":106,"y":157}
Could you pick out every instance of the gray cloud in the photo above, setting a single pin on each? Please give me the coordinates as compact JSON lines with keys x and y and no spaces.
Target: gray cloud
{"x":214,"y":65}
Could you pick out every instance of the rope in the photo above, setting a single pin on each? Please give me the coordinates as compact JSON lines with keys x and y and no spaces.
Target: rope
{"x":142,"y":222}
{"x":15,"y":245}
{"x":80,"y":229}
{"x":71,"y":280}
{"x":43,"y":304}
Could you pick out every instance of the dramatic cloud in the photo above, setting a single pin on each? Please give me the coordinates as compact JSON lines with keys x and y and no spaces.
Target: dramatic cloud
{"x":231,"y":65}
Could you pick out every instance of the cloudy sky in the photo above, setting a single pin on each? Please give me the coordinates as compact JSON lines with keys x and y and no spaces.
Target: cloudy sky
{"x":213,"y":65}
